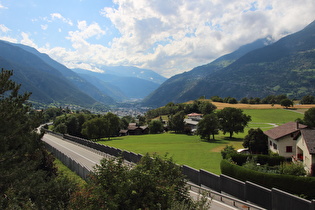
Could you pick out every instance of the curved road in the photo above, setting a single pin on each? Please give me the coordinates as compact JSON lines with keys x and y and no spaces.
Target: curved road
{"x":89,"y":159}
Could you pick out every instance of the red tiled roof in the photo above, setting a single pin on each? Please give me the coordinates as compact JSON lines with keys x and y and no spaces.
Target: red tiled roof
{"x":283,"y":130}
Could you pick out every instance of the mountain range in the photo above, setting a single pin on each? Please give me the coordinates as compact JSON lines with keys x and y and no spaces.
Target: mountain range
{"x":255,"y":70}
{"x":124,"y":82}
{"x":53,"y":83}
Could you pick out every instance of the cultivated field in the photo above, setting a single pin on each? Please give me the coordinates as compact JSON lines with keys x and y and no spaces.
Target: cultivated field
{"x":256,"y":106}
{"x":199,"y":154}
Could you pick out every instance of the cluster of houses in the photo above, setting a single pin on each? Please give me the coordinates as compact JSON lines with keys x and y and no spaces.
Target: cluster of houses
{"x":294,"y":140}
{"x":134,"y":129}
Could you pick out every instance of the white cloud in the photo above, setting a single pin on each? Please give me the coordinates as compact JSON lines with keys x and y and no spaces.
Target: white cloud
{"x":2,"y":7}
{"x":4,"y":29}
{"x":27,"y":41}
{"x":178,"y":35}
{"x":58,"y":16}
{"x":44,"y":27}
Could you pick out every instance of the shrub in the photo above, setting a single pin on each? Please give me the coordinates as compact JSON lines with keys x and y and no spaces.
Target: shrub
{"x":240,"y":159}
{"x":228,"y":151}
{"x":295,"y":169}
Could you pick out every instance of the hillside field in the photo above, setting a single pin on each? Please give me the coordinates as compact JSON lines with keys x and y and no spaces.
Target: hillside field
{"x":196,"y":153}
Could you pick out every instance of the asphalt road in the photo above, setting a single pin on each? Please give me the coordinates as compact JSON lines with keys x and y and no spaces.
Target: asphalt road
{"x":85,"y":157}
{"x":89,"y":159}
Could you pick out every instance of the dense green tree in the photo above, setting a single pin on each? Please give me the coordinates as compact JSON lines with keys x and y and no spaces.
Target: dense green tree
{"x":286,"y":103}
{"x":244,"y":100}
{"x":156,"y":126}
{"x":154,"y":183}
{"x":28,"y":178}
{"x":308,"y":99}
{"x":209,"y":125}
{"x":254,"y":100}
{"x":232,"y":120}
{"x":256,"y":141}
{"x":232,"y":101}
{"x":176,"y":122}
{"x":309,"y":117}
{"x":95,"y":128}
{"x":52,"y":113}
{"x":72,"y":124}
{"x":61,"y":128}
{"x":206,"y":107}
{"x":124,"y":122}
{"x":113,"y":127}
{"x":141,"y":119}
{"x":271,"y":99}
{"x":216,"y":99}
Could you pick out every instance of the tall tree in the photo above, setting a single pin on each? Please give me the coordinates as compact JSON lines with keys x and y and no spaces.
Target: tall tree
{"x":308,"y":99}
{"x":256,"y":141}
{"x":286,"y":103}
{"x":176,"y":122}
{"x":28,"y":178}
{"x":206,"y":107}
{"x":233,"y":120}
{"x":113,"y":125}
{"x":309,"y":117}
{"x":156,"y":126}
{"x":95,"y":128}
{"x":209,"y":125}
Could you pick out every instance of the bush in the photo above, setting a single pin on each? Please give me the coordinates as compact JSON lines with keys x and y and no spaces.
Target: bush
{"x":240,"y":159}
{"x":228,"y":151}
{"x":295,"y":169}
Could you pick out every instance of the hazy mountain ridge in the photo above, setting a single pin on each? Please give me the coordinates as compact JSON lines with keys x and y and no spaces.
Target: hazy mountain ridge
{"x":52,"y":82}
{"x":127,"y":86}
{"x":179,"y":87}
{"x":46,"y":83}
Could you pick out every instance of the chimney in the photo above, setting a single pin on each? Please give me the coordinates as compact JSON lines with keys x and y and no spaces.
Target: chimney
{"x":297,"y":125}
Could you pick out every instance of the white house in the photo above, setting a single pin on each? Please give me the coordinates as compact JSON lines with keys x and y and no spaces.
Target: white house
{"x":281,"y":139}
{"x":305,"y":148}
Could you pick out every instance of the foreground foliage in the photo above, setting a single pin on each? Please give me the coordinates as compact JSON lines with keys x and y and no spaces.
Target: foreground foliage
{"x":28,"y":178}
{"x":154,"y":183}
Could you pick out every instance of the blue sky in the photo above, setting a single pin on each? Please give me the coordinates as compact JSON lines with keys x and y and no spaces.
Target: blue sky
{"x":167,"y":36}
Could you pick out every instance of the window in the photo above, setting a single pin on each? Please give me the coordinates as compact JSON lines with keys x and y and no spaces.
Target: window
{"x":270,"y":143}
{"x":288,"y":149}
{"x":275,"y":146}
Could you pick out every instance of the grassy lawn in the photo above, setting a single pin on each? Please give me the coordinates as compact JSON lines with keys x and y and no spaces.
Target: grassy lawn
{"x":194,"y":152}
{"x":65,"y":171}
{"x":184,"y":149}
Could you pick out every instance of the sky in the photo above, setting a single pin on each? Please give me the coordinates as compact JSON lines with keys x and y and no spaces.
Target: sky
{"x":166,"y":36}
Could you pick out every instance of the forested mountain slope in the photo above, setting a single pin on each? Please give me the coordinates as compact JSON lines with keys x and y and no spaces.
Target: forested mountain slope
{"x":284,"y":67}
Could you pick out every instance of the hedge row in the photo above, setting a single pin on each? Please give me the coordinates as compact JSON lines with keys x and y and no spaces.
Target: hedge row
{"x":292,"y":184}
{"x":240,"y":159}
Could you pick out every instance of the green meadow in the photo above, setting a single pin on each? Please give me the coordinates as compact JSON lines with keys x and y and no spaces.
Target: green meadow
{"x":191,"y":150}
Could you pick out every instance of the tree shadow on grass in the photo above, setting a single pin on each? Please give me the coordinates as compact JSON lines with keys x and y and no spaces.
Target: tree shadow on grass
{"x":233,"y":139}
{"x":215,"y":141}
{"x":111,"y":139}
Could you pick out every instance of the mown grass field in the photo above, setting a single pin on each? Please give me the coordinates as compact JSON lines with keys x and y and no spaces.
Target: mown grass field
{"x":194,"y":152}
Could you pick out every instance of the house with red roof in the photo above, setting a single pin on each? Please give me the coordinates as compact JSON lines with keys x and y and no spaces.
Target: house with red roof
{"x":282,"y":139}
